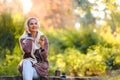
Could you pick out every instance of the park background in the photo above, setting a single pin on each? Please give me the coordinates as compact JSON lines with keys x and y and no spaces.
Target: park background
{"x":84,"y":35}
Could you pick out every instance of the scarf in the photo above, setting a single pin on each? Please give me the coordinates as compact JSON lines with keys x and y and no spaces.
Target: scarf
{"x":35,"y":45}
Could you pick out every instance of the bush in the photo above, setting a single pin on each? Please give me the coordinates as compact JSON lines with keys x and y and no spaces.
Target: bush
{"x":11,"y":29}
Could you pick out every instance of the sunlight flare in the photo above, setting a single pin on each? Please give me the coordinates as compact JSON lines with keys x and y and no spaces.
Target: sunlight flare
{"x":27,"y":4}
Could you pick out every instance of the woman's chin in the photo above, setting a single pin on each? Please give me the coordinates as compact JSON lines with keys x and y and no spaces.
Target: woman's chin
{"x":34,"y":30}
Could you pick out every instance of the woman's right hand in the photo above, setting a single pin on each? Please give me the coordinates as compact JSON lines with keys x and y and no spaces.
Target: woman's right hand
{"x":27,"y":30}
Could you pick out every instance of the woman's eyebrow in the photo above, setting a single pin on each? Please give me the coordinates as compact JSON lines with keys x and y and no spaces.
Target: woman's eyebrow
{"x":31,"y":23}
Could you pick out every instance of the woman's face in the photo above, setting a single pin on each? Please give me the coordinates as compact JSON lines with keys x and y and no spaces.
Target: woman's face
{"x":33,"y":25}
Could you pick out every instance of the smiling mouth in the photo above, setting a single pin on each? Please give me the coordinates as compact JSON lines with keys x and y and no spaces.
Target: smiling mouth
{"x":34,"y":28}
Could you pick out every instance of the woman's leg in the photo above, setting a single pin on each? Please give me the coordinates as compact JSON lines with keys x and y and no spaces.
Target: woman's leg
{"x":29,"y":72}
{"x":35,"y":74}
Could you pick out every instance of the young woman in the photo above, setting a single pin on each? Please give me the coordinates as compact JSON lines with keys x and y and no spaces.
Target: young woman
{"x":35,"y":47}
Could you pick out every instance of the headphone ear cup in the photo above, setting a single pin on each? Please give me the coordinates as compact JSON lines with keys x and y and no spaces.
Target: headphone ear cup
{"x":38,"y":24}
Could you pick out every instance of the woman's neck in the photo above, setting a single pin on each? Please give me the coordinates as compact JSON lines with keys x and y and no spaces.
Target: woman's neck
{"x":34,"y":34}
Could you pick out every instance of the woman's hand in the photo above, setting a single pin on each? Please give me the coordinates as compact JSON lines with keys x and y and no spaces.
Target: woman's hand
{"x":27,"y":30}
{"x":41,"y":41}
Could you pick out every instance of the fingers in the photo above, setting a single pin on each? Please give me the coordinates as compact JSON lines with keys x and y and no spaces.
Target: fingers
{"x":42,"y":37}
{"x":41,"y":41}
{"x":27,"y":30}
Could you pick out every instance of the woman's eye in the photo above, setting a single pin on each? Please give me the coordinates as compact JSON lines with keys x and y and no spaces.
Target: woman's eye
{"x":35,"y":23}
{"x":31,"y":23}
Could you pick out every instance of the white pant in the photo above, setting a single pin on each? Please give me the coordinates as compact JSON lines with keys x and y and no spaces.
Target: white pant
{"x":29,"y":72}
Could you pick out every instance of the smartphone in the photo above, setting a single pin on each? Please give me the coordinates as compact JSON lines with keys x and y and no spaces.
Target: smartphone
{"x":42,"y":37}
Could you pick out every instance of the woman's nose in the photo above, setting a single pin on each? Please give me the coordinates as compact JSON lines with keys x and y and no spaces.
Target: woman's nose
{"x":35,"y":25}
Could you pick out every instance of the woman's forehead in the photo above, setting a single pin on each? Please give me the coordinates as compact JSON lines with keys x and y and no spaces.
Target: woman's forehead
{"x":33,"y":20}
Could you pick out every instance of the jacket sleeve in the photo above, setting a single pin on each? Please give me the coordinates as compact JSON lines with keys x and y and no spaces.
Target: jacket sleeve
{"x":44,"y":52}
{"x":26,"y":44}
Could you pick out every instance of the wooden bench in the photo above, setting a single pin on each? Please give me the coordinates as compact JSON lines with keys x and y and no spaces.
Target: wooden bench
{"x":50,"y":78}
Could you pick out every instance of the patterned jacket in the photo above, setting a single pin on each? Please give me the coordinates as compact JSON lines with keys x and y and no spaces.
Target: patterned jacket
{"x":41,"y":55}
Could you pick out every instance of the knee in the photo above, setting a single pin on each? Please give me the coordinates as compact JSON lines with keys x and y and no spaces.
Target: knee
{"x":27,"y":62}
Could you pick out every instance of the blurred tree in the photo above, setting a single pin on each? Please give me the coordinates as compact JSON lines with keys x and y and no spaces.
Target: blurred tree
{"x":82,"y":8}
{"x":11,"y":27}
{"x":11,"y":6}
{"x":113,"y":10}
{"x":55,"y":13}
{"x":99,"y":12}
{"x":7,"y":38}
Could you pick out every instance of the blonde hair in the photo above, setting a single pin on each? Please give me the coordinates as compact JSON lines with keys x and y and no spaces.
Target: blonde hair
{"x":27,"y":23}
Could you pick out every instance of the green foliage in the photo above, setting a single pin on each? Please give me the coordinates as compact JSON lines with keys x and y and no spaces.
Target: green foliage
{"x":7,"y":39}
{"x":10,"y":30}
{"x":11,"y":27}
{"x":88,"y":51}
{"x":8,"y":66}
{"x":80,"y":40}
{"x":88,"y":38}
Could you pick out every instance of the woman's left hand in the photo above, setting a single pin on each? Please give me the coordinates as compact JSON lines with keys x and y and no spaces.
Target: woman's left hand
{"x":41,"y":42}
